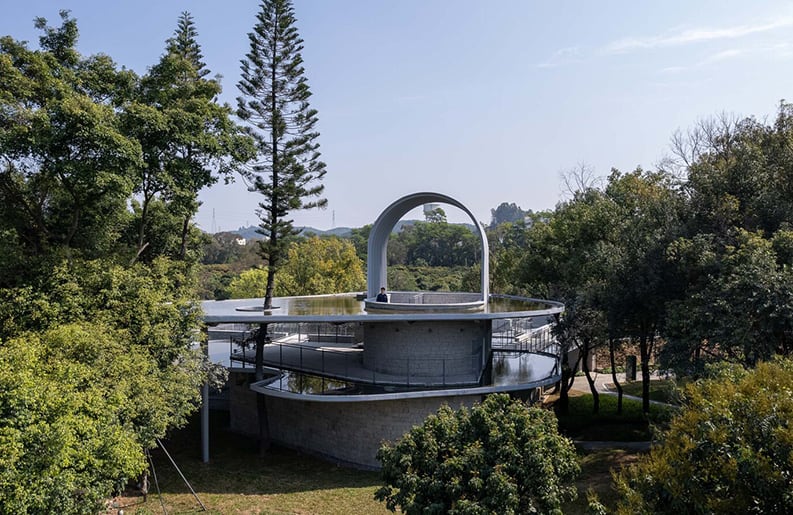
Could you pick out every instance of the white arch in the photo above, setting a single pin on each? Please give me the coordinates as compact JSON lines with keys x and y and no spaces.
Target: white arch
{"x":378,"y":239}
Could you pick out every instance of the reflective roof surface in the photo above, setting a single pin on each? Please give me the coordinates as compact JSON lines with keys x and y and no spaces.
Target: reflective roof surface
{"x":348,"y":308}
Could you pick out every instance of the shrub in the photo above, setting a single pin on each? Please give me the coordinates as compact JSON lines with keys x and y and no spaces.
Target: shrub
{"x":501,"y":456}
{"x":728,"y":450}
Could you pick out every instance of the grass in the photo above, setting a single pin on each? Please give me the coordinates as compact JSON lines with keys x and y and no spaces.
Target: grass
{"x":661,"y":390}
{"x":632,"y":425}
{"x":596,"y":467}
{"x":238,"y":481}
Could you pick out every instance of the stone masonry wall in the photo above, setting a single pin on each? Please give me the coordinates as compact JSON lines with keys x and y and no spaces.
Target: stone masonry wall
{"x":242,"y":404}
{"x":424,"y":348}
{"x":352,"y":432}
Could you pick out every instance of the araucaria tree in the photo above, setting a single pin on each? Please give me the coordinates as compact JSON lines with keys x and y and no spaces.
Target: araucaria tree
{"x":187,"y":139}
{"x":274,"y":102}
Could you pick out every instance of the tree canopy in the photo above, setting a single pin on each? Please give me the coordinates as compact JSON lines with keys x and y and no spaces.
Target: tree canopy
{"x":728,"y":450}
{"x":98,"y":312}
{"x":501,"y":456}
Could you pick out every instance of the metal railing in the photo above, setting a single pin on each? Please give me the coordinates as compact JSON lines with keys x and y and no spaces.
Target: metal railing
{"x":346,"y":364}
{"x":335,"y":351}
{"x":523,"y":334}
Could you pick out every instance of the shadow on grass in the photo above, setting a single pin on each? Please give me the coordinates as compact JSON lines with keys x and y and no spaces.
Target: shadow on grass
{"x":631,"y":425}
{"x":236,"y":467}
{"x":596,"y":469}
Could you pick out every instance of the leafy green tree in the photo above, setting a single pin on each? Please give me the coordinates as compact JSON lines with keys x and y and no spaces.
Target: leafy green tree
{"x":97,"y":361}
{"x":274,"y":102}
{"x":313,"y":267}
{"x":185,"y":136}
{"x":740,"y":309}
{"x":501,"y":456}
{"x":320,"y":266}
{"x":248,"y":285}
{"x":506,"y":213}
{"x":565,"y":258}
{"x":228,"y":249}
{"x":402,"y":278}
{"x":64,"y":177}
{"x":727,"y":451}
{"x":437,"y":215}
{"x":58,"y":456}
{"x":734,"y":252}
{"x":508,"y":242}
{"x":434,"y":244}
{"x":743,"y":177}
{"x":433,"y":278}
{"x":360,"y":238}
{"x":640,"y":280}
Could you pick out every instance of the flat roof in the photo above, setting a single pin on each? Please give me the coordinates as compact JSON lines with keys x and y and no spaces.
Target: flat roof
{"x":347,"y":307}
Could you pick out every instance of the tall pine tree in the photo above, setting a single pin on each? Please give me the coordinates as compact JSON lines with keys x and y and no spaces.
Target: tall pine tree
{"x":274,"y":102}
{"x":184,"y":44}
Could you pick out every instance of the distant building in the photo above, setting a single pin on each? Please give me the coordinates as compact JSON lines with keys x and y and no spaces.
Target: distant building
{"x":429,"y":208}
{"x":240,"y":241}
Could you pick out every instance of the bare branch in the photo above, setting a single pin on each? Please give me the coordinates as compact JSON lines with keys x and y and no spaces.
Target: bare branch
{"x":578,"y":179}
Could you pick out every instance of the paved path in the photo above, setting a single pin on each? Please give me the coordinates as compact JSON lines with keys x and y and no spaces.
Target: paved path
{"x":594,"y":446}
{"x":604,"y":383}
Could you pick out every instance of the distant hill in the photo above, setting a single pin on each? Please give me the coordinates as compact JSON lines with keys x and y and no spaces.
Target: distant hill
{"x":249,"y":233}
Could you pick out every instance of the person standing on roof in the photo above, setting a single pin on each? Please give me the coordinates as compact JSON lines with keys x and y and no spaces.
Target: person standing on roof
{"x":382,"y":297}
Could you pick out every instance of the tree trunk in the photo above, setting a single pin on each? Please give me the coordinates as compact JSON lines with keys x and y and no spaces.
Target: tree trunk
{"x":644,"y":350}
{"x":261,"y":404}
{"x":260,"y":338}
{"x":563,"y":404}
{"x":268,"y":293}
{"x":273,"y":258}
{"x":568,"y":378}
{"x":617,"y":384}
{"x":584,"y":352}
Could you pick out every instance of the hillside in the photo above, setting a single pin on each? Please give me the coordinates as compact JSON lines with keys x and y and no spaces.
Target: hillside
{"x":342,"y":232}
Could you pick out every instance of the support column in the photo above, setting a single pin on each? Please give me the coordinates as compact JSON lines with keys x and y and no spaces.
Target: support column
{"x":205,"y":405}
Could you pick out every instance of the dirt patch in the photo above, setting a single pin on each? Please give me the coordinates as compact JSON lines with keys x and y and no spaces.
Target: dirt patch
{"x":596,"y":474}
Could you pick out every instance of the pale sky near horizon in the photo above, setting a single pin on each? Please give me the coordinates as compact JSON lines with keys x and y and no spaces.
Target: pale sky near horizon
{"x":486,"y":102}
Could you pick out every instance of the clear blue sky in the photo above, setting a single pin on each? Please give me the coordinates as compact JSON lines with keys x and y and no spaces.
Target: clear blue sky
{"x":487,"y":102}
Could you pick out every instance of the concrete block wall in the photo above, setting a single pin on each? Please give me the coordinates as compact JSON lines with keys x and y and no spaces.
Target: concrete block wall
{"x":242,"y":404}
{"x":434,"y":297}
{"x":352,"y":432}
{"x":424,"y":349}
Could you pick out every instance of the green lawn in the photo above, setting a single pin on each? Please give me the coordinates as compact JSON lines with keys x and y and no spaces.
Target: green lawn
{"x":632,"y":425}
{"x":237,"y":480}
{"x":661,"y":390}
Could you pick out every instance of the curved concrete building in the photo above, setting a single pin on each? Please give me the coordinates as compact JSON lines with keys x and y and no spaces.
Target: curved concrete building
{"x":345,"y":372}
